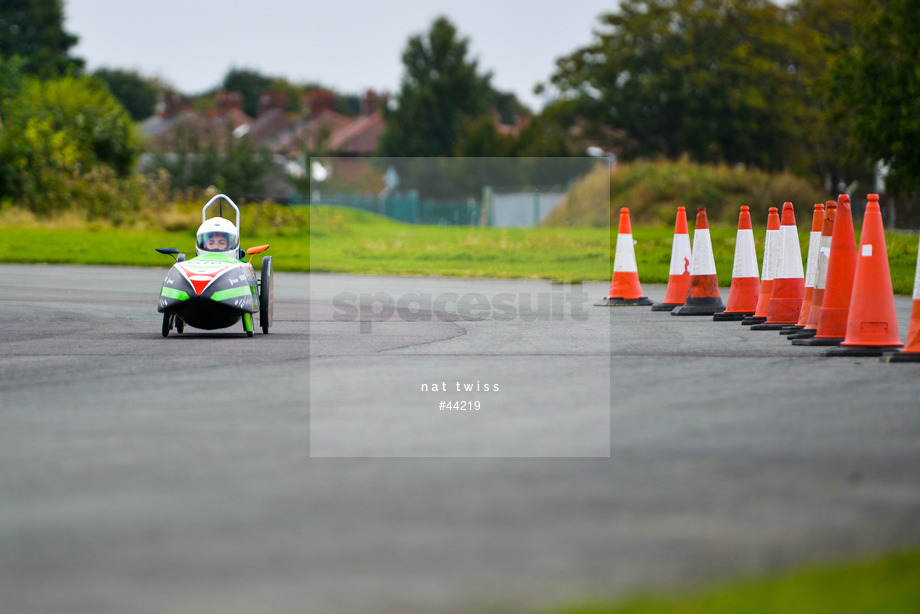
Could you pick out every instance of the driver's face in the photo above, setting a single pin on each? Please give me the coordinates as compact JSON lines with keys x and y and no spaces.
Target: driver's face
{"x":217,"y":243}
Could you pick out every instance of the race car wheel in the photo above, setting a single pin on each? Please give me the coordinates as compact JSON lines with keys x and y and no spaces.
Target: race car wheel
{"x":180,"y":325}
{"x":266,"y":295}
{"x":247,"y":324}
{"x":167,"y":323}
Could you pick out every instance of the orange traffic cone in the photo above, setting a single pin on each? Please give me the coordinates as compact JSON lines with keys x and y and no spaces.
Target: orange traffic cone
{"x":679,"y":275}
{"x":911,"y":351}
{"x":841,"y":268}
{"x":745,"y":290}
{"x":789,"y":279}
{"x":771,"y":247}
{"x":811,"y":269}
{"x":703,"y":298}
{"x":624,"y":287}
{"x":824,"y":253}
{"x":872,"y":324}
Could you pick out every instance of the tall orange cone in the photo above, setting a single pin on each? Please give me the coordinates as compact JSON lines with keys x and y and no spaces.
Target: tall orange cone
{"x":771,"y":246}
{"x":745,"y":290}
{"x":679,"y":274}
{"x":624,"y":287}
{"x":703,"y":298}
{"x":911,"y":351}
{"x":789,"y":280}
{"x":872,"y":323}
{"x":841,"y":269}
{"x":824,"y":254}
{"x":811,"y":269}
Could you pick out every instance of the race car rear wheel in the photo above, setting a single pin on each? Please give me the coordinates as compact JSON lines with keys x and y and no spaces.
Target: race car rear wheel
{"x":167,"y":323}
{"x":266,"y":295}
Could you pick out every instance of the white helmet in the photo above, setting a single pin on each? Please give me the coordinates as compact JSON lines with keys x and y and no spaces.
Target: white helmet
{"x":218,"y":236}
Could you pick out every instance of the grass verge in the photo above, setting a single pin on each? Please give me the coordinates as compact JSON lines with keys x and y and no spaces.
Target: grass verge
{"x":345,"y":241}
{"x":886,"y":584}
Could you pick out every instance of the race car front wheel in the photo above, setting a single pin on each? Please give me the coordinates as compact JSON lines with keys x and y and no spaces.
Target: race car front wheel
{"x":266,"y":295}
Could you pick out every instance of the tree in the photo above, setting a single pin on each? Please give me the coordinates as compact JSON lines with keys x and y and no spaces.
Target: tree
{"x":251,"y":84}
{"x":441,"y":89}
{"x":195,"y":157}
{"x":33,"y":30}
{"x":55,"y":134}
{"x":720,"y":80}
{"x":876,"y":83}
{"x":137,"y":94}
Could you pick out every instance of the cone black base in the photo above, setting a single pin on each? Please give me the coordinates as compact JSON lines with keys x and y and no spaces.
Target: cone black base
{"x":753,"y":320}
{"x":727,"y":316}
{"x":901,"y":357}
{"x":699,"y":308}
{"x":788,"y":330}
{"x":860,"y":350}
{"x":766,"y":326}
{"x":642,"y":301}
{"x":805,"y":333}
{"x":818,"y":341}
{"x":665,"y":306}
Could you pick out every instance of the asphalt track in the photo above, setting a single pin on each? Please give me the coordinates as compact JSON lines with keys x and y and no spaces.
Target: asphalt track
{"x":307,"y":470}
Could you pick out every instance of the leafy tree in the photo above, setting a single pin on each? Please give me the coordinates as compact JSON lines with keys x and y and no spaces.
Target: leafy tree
{"x":876,"y":83}
{"x":720,"y":80}
{"x":251,"y":84}
{"x":33,"y":30}
{"x":55,"y":133}
{"x":195,"y":159}
{"x":441,"y":88}
{"x":137,"y":94}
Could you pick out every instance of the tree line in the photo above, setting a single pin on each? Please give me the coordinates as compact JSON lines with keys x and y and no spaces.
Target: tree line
{"x":826,"y":89}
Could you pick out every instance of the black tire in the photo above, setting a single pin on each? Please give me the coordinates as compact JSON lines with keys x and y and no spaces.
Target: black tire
{"x":167,"y":323}
{"x":180,"y":325}
{"x":266,"y":295}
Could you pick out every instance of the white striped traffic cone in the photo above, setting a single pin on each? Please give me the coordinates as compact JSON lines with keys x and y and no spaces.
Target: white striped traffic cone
{"x":824,"y":257}
{"x":625,"y":288}
{"x":789,"y":280}
{"x":679,"y":273}
{"x":771,"y":246}
{"x":811,"y":269}
{"x":911,"y":351}
{"x":745,"y":289}
{"x":703,"y":298}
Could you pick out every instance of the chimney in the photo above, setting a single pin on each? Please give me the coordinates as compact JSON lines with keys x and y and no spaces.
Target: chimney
{"x":228,"y":101}
{"x":272,"y":100}
{"x":318,"y":101}
{"x":170,"y":105}
{"x":369,"y":103}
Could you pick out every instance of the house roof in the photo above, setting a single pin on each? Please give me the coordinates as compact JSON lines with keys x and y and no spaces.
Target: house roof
{"x":359,"y":137}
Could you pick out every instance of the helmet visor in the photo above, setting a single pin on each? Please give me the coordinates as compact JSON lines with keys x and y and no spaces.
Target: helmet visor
{"x":216,"y":241}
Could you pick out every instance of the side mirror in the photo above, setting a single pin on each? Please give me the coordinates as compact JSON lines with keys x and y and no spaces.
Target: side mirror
{"x":252,"y":251}
{"x":171,"y":251}
{"x":256,"y":250}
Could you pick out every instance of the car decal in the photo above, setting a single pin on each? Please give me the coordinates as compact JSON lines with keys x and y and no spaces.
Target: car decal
{"x":179,"y":295}
{"x":202,"y":274}
{"x":222,"y":295}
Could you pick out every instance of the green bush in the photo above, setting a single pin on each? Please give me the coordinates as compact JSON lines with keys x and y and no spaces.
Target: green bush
{"x":653,"y":190}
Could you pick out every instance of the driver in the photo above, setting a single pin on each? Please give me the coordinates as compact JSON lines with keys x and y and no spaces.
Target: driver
{"x":218,"y":236}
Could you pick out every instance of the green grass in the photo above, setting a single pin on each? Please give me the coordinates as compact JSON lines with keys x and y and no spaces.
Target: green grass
{"x":356,"y":242}
{"x":889,"y":584}
{"x":346,"y":241}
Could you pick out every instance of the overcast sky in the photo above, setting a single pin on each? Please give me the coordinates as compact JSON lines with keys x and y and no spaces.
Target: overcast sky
{"x":348,"y":45}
